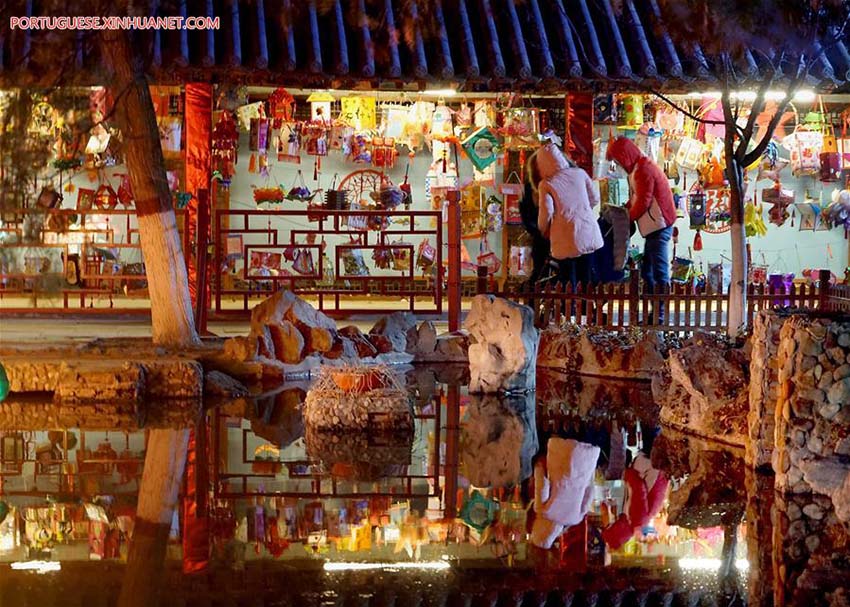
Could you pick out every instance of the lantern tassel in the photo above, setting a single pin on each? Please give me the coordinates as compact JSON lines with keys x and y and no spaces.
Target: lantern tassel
{"x":252,"y":164}
{"x":698,"y":241}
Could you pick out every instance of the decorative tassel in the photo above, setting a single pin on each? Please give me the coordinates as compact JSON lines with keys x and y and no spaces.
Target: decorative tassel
{"x":698,"y":242}
{"x":445,"y":159}
{"x":69,"y":187}
{"x":522,"y":158}
{"x":316,"y":169}
{"x":793,"y":215}
{"x":252,"y":164}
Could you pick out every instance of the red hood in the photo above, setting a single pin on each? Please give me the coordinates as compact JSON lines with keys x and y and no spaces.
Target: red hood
{"x":624,"y":152}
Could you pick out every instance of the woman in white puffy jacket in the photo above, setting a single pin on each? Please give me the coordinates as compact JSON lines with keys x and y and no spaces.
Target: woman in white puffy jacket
{"x":563,"y":489}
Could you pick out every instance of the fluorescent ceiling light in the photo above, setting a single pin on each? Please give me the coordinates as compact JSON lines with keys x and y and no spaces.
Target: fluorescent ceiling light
{"x":423,"y":565}
{"x":708,"y":564}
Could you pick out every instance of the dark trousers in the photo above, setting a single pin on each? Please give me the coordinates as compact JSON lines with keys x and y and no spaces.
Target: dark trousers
{"x":655,"y":267}
{"x":575,"y":270}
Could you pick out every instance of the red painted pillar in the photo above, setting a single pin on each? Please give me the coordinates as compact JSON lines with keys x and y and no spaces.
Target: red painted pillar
{"x":198,"y":128}
{"x":454,"y":244}
{"x":450,"y":469}
{"x":196,"y":522}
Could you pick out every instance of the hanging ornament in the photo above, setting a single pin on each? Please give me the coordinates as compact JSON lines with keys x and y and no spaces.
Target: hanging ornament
{"x":289,"y":143}
{"x":281,"y":106}
{"x":320,"y":107}
{"x":698,"y":241}
{"x":225,"y":147}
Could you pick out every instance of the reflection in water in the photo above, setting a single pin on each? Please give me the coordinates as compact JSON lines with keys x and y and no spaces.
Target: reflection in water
{"x":455,"y":493}
{"x":498,"y":438}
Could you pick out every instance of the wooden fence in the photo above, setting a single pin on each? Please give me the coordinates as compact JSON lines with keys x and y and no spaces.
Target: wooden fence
{"x":619,"y":306}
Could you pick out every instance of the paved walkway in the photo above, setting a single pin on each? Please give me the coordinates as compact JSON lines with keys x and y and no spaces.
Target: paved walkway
{"x":65,"y":329}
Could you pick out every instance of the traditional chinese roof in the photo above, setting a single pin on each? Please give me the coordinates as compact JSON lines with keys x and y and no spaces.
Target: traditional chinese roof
{"x":474,"y":44}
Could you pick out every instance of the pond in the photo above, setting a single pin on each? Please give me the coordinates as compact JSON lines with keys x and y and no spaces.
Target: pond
{"x":441,"y":515}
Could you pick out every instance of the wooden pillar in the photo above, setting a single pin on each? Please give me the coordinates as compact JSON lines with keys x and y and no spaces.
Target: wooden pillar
{"x":454,"y":244}
{"x":450,"y":469}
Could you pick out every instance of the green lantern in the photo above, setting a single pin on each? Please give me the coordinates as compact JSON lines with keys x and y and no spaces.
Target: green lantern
{"x":4,"y":511}
{"x":4,"y":384}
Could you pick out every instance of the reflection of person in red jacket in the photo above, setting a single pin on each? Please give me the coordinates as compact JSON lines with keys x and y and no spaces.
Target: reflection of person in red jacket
{"x":646,"y":490}
{"x":651,"y":206}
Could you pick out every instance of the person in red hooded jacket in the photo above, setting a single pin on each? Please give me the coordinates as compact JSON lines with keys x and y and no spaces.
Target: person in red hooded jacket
{"x":651,"y":206}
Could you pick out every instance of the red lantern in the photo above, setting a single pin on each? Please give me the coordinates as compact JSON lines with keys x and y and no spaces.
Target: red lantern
{"x":225,"y":147}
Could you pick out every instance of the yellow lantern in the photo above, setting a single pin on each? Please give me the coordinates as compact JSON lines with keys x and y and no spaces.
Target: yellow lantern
{"x":632,"y":111}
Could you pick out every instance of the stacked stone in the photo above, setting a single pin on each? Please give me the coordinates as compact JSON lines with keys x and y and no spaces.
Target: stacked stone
{"x":760,"y":499}
{"x":812,"y":441}
{"x":809,"y":544}
{"x":381,"y":410}
{"x":813,"y":406}
{"x":357,"y":455}
{"x":764,"y":386}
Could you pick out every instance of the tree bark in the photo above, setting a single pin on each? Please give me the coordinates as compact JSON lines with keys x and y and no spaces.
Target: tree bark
{"x":172,"y":321}
{"x":159,"y":489}
{"x":736,"y":313}
{"x":737,"y":302}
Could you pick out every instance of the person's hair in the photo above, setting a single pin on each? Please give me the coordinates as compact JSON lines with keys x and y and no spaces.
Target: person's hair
{"x":532,"y":171}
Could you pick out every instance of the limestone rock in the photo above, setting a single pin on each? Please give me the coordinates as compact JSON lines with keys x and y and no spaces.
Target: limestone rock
{"x":707,"y":391}
{"x":285,"y":305}
{"x":317,"y":339}
{"x":364,"y":348}
{"x":453,"y":347}
{"x":221,"y":385}
{"x":288,"y":342}
{"x":503,"y":348}
{"x":498,"y":438}
{"x":265,"y":343}
{"x":422,"y":340}
{"x":342,"y":348}
{"x":241,"y":348}
{"x":395,"y":327}
{"x":593,"y":351}
{"x":381,"y":343}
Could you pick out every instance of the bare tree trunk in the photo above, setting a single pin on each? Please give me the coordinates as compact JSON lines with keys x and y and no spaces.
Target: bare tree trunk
{"x":168,"y":286}
{"x":171,"y":313}
{"x":159,"y":490}
{"x":736,"y":314}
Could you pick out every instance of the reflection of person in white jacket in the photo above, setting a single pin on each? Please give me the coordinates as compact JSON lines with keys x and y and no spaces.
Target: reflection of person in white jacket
{"x":563,"y":489}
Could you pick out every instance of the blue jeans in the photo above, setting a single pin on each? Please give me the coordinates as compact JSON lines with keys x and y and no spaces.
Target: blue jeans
{"x":655,"y":267}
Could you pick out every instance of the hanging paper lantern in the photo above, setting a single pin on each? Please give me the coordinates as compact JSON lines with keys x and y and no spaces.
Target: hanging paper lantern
{"x":697,"y":207}
{"x":320,"y":106}
{"x":632,"y":111}
{"x":225,"y":147}
{"x":281,"y":106}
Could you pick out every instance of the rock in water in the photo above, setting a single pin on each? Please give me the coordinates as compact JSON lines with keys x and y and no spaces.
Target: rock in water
{"x":498,"y":438}
{"x":288,"y":342}
{"x":285,"y":305}
{"x":503,"y":348}
{"x":395,"y":327}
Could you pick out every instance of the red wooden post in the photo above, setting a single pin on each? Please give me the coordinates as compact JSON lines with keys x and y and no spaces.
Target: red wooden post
{"x":823,"y":288}
{"x":634,"y":295}
{"x":454,"y":244}
{"x":452,"y":453}
{"x":202,"y":263}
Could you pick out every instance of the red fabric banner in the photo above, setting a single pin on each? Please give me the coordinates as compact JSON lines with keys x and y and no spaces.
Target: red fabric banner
{"x":196,"y":522}
{"x":579,"y":129}
{"x":198,"y":128}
